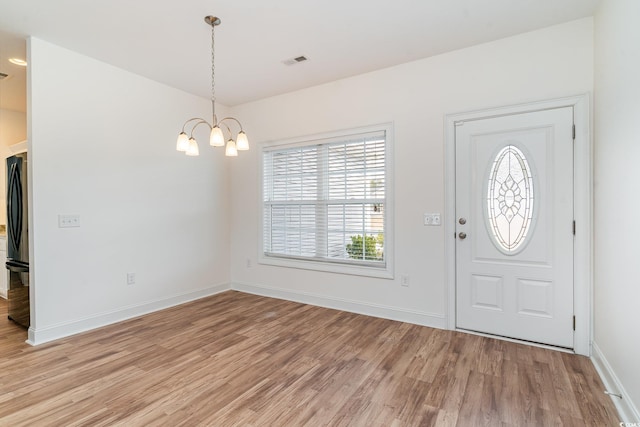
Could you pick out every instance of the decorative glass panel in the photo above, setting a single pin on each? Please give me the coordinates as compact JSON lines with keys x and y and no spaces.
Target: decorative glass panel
{"x":510,"y":199}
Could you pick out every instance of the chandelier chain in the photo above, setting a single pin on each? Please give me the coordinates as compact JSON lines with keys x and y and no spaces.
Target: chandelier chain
{"x":213,"y":75}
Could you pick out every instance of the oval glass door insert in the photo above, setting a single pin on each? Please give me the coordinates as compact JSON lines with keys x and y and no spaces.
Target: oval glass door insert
{"x":510,"y":200}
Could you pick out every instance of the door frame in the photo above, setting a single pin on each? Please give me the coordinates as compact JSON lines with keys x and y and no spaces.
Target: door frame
{"x":582,"y":202}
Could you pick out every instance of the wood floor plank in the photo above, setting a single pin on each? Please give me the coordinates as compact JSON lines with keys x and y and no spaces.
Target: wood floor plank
{"x":236,"y":359}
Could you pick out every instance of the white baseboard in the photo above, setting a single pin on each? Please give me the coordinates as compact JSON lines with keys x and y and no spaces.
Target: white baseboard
{"x":62,"y":330}
{"x":375,"y":310}
{"x":626,"y":409}
{"x":53,"y":332}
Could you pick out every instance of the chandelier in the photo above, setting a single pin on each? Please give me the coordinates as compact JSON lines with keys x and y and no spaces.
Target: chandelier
{"x":187,"y":143}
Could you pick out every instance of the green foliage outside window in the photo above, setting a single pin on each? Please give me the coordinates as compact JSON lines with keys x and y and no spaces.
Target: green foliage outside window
{"x":373,"y":247}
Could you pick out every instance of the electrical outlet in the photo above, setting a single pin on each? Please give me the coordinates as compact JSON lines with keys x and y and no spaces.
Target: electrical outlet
{"x":249,"y":263}
{"x":131,"y":278}
{"x":404,"y":280}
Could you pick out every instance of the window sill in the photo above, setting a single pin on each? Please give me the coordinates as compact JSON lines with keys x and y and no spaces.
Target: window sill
{"x":329,"y":267}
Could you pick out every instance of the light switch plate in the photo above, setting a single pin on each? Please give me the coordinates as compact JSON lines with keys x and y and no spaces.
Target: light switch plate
{"x":432,"y":219}
{"x":67,"y":221}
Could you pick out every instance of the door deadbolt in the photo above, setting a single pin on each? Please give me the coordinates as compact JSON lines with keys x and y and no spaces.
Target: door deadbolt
{"x":462,"y":221}
{"x":462,"y":235}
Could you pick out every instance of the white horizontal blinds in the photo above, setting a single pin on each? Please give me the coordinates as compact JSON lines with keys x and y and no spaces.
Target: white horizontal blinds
{"x":291,"y":194}
{"x":356,"y":170}
{"x":326,"y":201}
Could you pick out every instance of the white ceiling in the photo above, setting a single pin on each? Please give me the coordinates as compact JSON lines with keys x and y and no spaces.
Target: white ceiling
{"x":168,"y":41}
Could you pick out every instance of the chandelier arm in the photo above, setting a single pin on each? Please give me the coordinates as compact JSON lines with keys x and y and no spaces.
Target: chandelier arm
{"x":191,"y":120}
{"x":234,"y":119}
{"x":201,"y":121}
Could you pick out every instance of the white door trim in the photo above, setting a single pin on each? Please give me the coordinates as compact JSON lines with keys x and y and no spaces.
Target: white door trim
{"x":583,"y":196}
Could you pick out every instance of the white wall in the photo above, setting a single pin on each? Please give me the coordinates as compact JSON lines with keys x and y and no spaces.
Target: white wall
{"x":549,"y":63}
{"x":102,"y":146}
{"x":13,"y":129}
{"x":617,"y":186}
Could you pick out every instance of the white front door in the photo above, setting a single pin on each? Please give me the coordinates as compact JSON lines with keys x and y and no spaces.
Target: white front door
{"x":514,"y":226}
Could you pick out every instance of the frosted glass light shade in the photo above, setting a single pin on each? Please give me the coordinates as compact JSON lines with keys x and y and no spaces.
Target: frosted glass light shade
{"x":216,"y":138}
{"x":231,"y":150}
{"x":183,"y":142}
{"x":242,"y":142}
{"x":193,"y":148}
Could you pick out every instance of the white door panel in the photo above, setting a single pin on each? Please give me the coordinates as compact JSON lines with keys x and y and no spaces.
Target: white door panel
{"x":514,"y":192}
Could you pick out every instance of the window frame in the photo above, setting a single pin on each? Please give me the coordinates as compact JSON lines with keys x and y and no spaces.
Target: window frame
{"x":348,"y":267}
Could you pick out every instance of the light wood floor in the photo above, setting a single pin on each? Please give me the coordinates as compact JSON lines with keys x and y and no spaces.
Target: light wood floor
{"x":239,"y":359}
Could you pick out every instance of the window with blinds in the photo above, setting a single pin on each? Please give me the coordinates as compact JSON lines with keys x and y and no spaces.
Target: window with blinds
{"x":325,"y":200}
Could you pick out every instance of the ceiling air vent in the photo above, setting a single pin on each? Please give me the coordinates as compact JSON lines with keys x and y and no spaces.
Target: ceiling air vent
{"x":3,"y":76}
{"x":293,"y":61}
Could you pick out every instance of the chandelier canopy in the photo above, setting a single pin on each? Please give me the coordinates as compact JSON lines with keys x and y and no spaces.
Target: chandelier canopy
{"x":187,"y":143}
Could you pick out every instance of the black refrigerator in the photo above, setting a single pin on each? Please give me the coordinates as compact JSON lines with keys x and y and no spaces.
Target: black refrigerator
{"x":18,"y":240}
